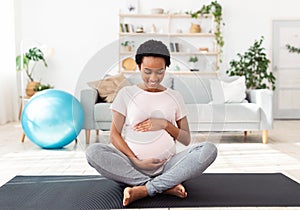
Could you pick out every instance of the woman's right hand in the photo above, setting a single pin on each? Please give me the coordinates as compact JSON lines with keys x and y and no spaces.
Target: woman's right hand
{"x":148,"y":164}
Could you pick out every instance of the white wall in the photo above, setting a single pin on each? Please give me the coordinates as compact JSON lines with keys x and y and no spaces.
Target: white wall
{"x":8,"y":101}
{"x":249,"y":20}
{"x":78,"y":29}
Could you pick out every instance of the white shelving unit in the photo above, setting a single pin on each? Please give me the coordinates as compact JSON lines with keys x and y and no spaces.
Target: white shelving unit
{"x":171,"y":29}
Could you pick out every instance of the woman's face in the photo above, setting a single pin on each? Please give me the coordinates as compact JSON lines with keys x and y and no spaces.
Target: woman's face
{"x":153,"y":71}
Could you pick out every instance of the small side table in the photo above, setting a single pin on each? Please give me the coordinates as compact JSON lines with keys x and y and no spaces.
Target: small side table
{"x":24,"y":100}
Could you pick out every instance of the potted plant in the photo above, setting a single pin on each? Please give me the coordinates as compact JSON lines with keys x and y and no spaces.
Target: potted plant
{"x":215,"y":9}
{"x":41,"y":87}
{"x":292,"y":49}
{"x":253,"y":64}
{"x":28,"y":62}
{"x":193,"y":60}
{"x":127,"y":45}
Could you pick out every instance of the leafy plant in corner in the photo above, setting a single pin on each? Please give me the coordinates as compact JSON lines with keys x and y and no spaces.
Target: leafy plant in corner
{"x":253,"y":64}
{"x":32,"y":56}
{"x":215,"y":9}
{"x":292,"y":49}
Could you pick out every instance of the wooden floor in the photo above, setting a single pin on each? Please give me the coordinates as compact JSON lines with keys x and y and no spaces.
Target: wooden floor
{"x":235,"y":154}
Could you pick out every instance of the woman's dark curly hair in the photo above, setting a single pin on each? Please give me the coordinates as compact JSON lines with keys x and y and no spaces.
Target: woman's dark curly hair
{"x":153,"y":48}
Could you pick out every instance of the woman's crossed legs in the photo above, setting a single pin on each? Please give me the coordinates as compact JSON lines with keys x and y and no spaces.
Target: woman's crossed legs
{"x":184,"y":165}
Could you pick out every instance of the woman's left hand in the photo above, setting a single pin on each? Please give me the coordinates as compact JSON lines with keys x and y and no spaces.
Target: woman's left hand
{"x":151,"y":124}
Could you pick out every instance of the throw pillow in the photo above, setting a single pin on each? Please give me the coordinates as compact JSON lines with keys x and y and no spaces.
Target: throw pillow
{"x":93,"y":84}
{"x":228,"y":92}
{"x":109,"y":86}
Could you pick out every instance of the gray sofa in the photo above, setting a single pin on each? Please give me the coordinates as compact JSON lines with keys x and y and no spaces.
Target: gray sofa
{"x":251,"y":115}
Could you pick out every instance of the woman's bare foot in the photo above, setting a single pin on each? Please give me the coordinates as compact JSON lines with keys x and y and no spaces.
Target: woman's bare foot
{"x":134,"y":193}
{"x":177,"y":190}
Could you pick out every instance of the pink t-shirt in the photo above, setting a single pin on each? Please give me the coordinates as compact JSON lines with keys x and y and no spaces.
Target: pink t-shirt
{"x":138,"y":105}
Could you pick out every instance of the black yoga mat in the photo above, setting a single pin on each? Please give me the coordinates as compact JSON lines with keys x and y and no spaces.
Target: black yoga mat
{"x":96,"y":192}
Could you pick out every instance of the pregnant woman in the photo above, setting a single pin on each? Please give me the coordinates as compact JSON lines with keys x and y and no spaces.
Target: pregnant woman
{"x":148,"y":119}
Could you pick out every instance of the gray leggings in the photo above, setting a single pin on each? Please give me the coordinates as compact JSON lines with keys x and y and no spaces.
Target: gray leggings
{"x":113,"y":164}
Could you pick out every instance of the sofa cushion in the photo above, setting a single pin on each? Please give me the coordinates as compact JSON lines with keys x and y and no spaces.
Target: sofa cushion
{"x":239,"y":113}
{"x":195,"y":90}
{"x":233,"y":91}
{"x":246,"y":112}
{"x":109,"y":86}
{"x":102,"y":112}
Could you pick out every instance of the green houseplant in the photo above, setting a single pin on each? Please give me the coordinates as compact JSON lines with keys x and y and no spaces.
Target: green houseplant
{"x":292,"y":49}
{"x":28,"y":62}
{"x":127,"y":45}
{"x":192,"y":61}
{"x":215,"y":9}
{"x":253,"y":64}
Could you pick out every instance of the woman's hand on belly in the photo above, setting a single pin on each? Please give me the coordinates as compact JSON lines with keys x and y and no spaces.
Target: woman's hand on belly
{"x":151,"y":124}
{"x":148,"y":164}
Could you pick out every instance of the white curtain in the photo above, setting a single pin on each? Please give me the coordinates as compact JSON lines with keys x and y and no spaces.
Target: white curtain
{"x":8,"y":83}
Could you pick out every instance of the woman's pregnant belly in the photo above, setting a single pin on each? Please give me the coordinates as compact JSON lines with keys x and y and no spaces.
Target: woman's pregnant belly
{"x":161,"y":147}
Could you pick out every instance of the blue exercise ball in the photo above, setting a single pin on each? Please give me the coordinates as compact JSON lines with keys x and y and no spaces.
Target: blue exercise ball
{"x":52,"y":119}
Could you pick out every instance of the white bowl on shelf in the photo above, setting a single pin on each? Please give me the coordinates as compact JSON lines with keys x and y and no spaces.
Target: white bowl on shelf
{"x":157,"y":11}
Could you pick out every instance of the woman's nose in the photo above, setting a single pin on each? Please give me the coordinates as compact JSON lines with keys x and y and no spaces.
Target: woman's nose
{"x":153,"y":77}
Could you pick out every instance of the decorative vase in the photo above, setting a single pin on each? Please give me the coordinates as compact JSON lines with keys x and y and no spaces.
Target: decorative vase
{"x":127,"y":48}
{"x":195,"y":28}
{"x":30,"y":88}
{"x":192,"y":65}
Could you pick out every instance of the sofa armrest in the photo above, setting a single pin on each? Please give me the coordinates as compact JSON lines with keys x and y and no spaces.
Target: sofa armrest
{"x":264,"y":98}
{"x":88,"y":98}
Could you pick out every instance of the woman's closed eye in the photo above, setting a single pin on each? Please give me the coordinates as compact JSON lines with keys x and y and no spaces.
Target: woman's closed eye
{"x":157,"y":72}
{"x":160,"y":71}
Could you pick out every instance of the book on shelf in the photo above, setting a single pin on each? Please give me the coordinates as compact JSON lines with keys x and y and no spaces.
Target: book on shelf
{"x":126,"y":28}
{"x":171,"y":46}
{"x":122,"y":28}
{"x":174,"y":47}
{"x":177,"y":47}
